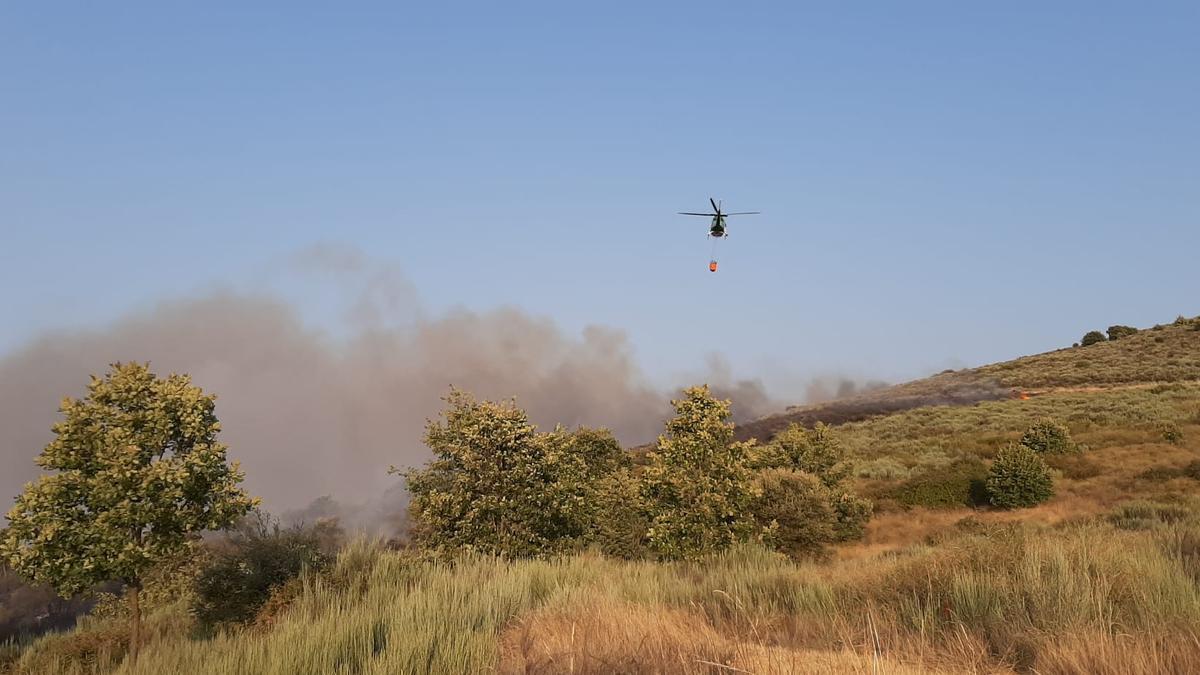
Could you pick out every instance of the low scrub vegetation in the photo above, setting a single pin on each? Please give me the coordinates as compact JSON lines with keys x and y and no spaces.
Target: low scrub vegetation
{"x":1019,"y":478}
{"x":1088,"y":597}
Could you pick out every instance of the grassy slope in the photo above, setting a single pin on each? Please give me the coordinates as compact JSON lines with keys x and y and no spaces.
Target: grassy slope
{"x":1063,"y":587}
{"x":1163,"y":354}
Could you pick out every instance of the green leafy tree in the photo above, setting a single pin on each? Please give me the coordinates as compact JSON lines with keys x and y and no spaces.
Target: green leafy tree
{"x":1019,"y":478}
{"x":499,"y":487}
{"x":138,"y":471}
{"x":698,"y":487}
{"x":816,"y":451}
{"x":1092,"y":337}
{"x":1048,"y":437}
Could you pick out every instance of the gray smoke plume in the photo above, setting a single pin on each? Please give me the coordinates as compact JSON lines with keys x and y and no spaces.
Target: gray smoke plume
{"x":308,"y":414}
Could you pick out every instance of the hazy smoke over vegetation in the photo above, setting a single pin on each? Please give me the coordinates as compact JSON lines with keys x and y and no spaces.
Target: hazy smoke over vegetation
{"x":308,"y":414}
{"x":829,"y":388}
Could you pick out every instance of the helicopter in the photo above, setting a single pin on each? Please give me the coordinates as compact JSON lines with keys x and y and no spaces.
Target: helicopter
{"x":718,"y":229}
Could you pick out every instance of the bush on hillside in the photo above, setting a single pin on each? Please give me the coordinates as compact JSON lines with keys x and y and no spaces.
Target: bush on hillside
{"x":1118,"y":332}
{"x":619,"y":529}
{"x":1019,"y":478}
{"x":800,"y":515}
{"x":256,"y":559}
{"x":959,"y":484}
{"x":698,"y":487}
{"x":851,"y":514}
{"x":1092,"y":337}
{"x":1048,"y":437}
{"x":815,"y":451}
{"x":499,"y":487}
{"x":796,"y":512}
{"x":1172,"y":434}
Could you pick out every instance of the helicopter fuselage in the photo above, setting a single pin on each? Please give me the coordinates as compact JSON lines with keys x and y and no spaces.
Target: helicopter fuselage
{"x":718,"y":228}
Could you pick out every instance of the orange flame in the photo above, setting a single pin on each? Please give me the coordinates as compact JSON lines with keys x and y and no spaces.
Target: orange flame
{"x":712,"y":266}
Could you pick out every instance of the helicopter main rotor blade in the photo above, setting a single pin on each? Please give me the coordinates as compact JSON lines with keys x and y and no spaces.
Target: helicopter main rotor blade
{"x":742,"y":213}
{"x":715,"y":207}
{"x":687,"y":213}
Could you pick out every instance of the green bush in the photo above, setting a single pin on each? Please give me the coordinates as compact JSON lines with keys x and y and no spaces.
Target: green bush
{"x":960,"y":484}
{"x":1118,"y":332}
{"x":815,"y":451}
{"x":1091,"y":338}
{"x":796,"y":512}
{"x":1019,"y":478}
{"x":498,"y":486}
{"x":851,"y":515}
{"x":620,"y":527}
{"x":255,"y":560}
{"x":1048,"y":437}
{"x":698,"y":486}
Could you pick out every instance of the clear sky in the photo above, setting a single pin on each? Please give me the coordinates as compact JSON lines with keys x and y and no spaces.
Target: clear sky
{"x":941,"y":183}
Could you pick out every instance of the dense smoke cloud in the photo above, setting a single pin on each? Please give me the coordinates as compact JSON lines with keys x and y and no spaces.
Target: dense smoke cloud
{"x":310,"y":415}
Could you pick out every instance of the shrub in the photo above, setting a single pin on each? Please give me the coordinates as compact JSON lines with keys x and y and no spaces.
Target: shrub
{"x":852,"y":513}
{"x":796,"y":512}
{"x":698,"y":487}
{"x":1172,"y":434}
{"x":1192,"y":470}
{"x":497,"y":486}
{"x":1019,"y":478}
{"x":1118,"y":332}
{"x":1159,"y":474}
{"x":1048,"y":437}
{"x":1091,"y":338}
{"x":620,"y":528}
{"x":960,"y":484}
{"x":255,"y":560}
{"x":814,"y":451}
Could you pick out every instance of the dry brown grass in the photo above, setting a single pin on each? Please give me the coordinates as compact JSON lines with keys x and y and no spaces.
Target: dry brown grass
{"x":603,"y":635}
{"x":1123,"y":654}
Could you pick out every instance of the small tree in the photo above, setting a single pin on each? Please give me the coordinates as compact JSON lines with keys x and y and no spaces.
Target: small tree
{"x":1019,"y":478}
{"x":1048,"y":437}
{"x":258,"y":558}
{"x":497,"y":486}
{"x":139,"y":469}
{"x":1117,"y":332}
{"x":796,"y":512}
{"x":1092,"y":337}
{"x":698,"y":487}
{"x":816,"y":451}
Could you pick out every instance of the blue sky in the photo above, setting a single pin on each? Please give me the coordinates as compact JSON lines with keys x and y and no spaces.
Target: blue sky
{"x":942,"y":184}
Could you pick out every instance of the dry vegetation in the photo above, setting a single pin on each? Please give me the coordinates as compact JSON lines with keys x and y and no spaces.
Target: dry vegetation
{"x":1102,"y":578}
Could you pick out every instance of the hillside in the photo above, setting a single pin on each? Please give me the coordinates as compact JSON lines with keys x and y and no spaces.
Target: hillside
{"x":1163,"y":354}
{"x":1103,"y":577}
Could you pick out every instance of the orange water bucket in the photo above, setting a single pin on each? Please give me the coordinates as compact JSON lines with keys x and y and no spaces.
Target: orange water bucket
{"x":712,"y":266}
